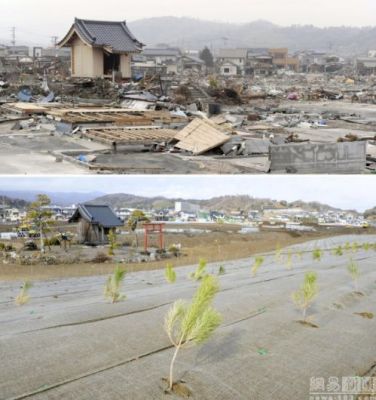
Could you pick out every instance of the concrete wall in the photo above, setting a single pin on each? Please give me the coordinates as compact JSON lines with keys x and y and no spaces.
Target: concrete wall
{"x":344,"y":158}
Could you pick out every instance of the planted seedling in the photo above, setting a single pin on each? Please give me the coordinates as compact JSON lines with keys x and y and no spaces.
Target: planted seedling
{"x":259,"y":260}
{"x":24,"y":297}
{"x":317,"y":254}
{"x":366,"y":246}
{"x":305,"y":295}
{"x":355,"y":247}
{"x":189,"y":324}
{"x":289,"y":259}
{"x":170,"y":274}
{"x":200,"y":272}
{"x":221,"y":270}
{"x":338,"y":251}
{"x":347,"y":246}
{"x":113,"y":285}
{"x":113,"y":244}
{"x":354,"y":272}
{"x":278,"y":251}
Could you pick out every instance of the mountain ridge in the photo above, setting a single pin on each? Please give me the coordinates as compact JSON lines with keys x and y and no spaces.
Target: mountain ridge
{"x":193,"y":33}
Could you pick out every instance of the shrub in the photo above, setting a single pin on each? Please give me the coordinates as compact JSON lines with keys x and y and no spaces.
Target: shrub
{"x":366,"y":246}
{"x":2,"y":246}
{"x":304,"y":296}
{"x":175,"y":250}
{"x":170,"y":274}
{"x":113,"y":284}
{"x":192,"y":323}
{"x":24,"y":297}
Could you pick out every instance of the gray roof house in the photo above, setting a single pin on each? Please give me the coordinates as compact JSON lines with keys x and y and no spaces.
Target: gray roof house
{"x":100,"y":49}
{"x":94,"y":223}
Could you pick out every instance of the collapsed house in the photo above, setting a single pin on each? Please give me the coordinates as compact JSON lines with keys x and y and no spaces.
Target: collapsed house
{"x":101,"y":49}
{"x":94,"y":223}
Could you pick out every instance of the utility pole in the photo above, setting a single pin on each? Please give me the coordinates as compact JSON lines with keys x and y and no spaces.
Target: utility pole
{"x":13,"y":41}
{"x":54,"y":42}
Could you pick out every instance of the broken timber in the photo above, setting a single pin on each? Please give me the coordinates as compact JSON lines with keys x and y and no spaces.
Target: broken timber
{"x":130,"y":136}
{"x":201,"y":136}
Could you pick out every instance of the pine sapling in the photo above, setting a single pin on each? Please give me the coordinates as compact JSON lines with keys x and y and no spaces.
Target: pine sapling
{"x":317,"y":254}
{"x":338,"y":251}
{"x":289,"y":259}
{"x":355,"y":247}
{"x":305,"y":295}
{"x":189,"y":324}
{"x":113,"y":245}
{"x":366,"y":246}
{"x":353,"y":270}
{"x":221,"y":270}
{"x":200,"y":272}
{"x":113,"y":285}
{"x":278,"y":250}
{"x":259,"y":260}
{"x":170,"y":274}
{"x":23,"y":296}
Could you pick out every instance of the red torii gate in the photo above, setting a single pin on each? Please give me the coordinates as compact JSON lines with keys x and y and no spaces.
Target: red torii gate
{"x":153,"y":228}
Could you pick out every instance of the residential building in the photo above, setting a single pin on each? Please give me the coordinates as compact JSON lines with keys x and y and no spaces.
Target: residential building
{"x":281,"y":59}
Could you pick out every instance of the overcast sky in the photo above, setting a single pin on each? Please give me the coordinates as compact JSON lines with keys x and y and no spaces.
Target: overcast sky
{"x":37,"y":20}
{"x":347,"y":192}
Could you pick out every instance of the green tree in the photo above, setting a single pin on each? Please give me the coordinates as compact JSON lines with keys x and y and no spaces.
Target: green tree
{"x":136,"y":217}
{"x":207,"y":57}
{"x":192,"y":323}
{"x":39,"y":216}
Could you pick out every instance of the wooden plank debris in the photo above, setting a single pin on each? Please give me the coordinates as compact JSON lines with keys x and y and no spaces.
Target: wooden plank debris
{"x":130,"y":136}
{"x":201,"y":136}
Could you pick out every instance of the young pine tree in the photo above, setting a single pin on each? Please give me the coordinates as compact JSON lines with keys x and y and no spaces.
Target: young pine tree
{"x":23,"y":296}
{"x":317,"y":254}
{"x":259,"y":260}
{"x":354,"y":272}
{"x":189,"y":324}
{"x":200,"y":272}
{"x":170,"y":274}
{"x":305,"y":295}
{"x":113,"y":285}
{"x":113,"y":244}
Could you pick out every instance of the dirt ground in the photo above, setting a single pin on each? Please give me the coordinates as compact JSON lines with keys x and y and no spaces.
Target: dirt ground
{"x":68,"y":342}
{"x":217,"y":243}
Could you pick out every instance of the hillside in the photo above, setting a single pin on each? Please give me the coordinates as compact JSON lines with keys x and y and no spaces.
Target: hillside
{"x":13,"y":202}
{"x":195,"y":34}
{"x":222,"y":203}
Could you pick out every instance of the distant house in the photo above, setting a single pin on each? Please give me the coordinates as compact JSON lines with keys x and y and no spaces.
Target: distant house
{"x":237,"y":57}
{"x":169,"y":58}
{"x":100,"y":48}
{"x":229,"y":69}
{"x":94,"y":223}
{"x":281,"y":59}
